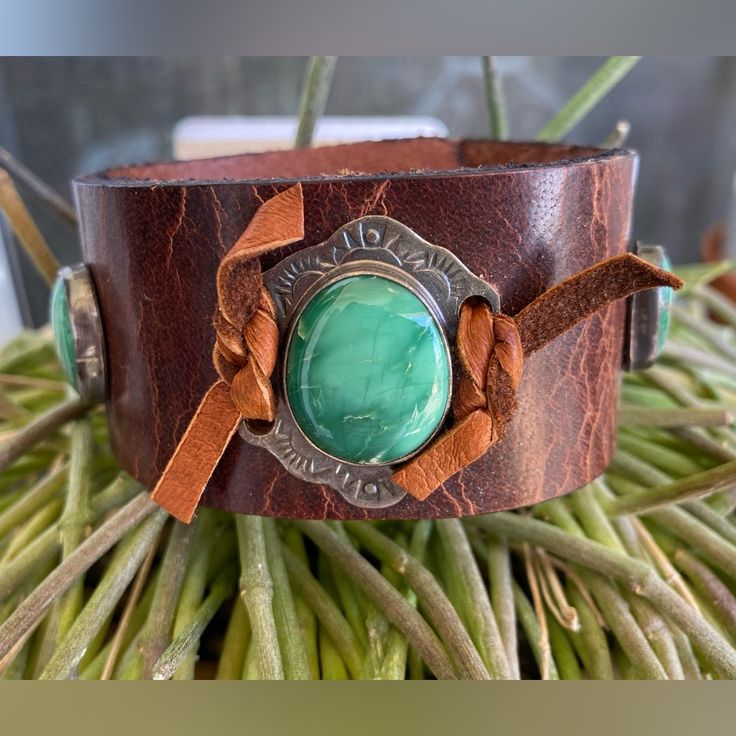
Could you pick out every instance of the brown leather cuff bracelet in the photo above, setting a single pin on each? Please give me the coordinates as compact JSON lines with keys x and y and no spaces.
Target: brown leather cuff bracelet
{"x":446,"y":252}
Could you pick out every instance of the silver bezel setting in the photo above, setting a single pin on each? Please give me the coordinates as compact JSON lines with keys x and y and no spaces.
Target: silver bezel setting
{"x":644,"y":315}
{"x":86,"y":324}
{"x":391,"y":273}
{"x":373,"y":245}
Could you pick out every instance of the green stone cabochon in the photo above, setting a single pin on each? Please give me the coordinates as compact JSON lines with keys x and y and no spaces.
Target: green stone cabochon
{"x":665,"y":295}
{"x":367,"y":373}
{"x":63,"y":338}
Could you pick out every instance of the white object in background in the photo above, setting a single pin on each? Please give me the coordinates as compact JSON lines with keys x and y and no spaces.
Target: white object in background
{"x":202,"y":137}
{"x":11,"y":321}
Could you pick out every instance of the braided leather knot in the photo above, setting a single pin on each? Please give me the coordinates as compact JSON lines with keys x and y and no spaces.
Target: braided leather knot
{"x":245,"y":357}
{"x":492,"y":358}
{"x":490,"y":352}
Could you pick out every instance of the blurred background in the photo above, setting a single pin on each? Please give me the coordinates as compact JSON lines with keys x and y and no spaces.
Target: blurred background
{"x":67,"y":116}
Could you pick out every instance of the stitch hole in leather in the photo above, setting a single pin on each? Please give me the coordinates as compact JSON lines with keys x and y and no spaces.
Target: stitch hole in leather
{"x":259,"y":427}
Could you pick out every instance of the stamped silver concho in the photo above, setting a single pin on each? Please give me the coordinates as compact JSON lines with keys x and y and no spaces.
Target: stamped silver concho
{"x":370,"y":245}
{"x":88,"y":359}
{"x":648,"y":315}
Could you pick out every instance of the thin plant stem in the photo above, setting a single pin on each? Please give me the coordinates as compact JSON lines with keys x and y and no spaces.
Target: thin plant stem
{"x":333,"y":667}
{"x":39,"y":429}
{"x":75,"y":518}
{"x":40,"y":189}
{"x":17,"y":658}
{"x":294,"y":540}
{"x":709,"y":481}
{"x":256,"y":587}
{"x":291,"y":642}
{"x":329,"y":615}
{"x":373,"y":627}
{"x":502,"y":597}
{"x":666,"y":569}
{"x":710,"y":587}
{"x":11,"y":410}
{"x":316,"y":89}
{"x":29,"y":613}
{"x":156,"y":632}
{"x":431,"y":597}
{"x":543,"y":646}
{"x":235,"y":645}
{"x":619,"y":135}
{"x":26,"y":230}
{"x":531,"y":628}
{"x":677,"y":352}
{"x":667,"y":459}
{"x":476,"y":604}
{"x":721,"y":525}
{"x":349,"y":596}
{"x":590,"y":639}
{"x":704,"y":331}
{"x":587,"y":97}
{"x":562,"y":650}
{"x":194,"y":585}
{"x":25,"y":560}
{"x":658,"y":635}
{"x":634,"y":574}
{"x":188,"y":639}
{"x":553,"y":592}
{"x":680,"y":521}
{"x":33,"y":499}
{"x":378,"y":626}
{"x":92,"y":668}
{"x":689,"y":661}
{"x":125,"y":619}
{"x":638,"y":416}
{"x":706,"y":444}
{"x":624,"y":625}
{"x":394,"y":663}
{"x":641,"y":632}
{"x":497,"y":120}
{"x":384,"y":595}
{"x":250,"y":669}
{"x":637,"y":627}
{"x":595,"y":523}
{"x":47,"y":384}
{"x":720,"y":305}
{"x":126,"y":561}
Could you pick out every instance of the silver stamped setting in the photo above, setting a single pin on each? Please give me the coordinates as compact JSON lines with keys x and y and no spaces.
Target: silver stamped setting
{"x":369,"y":244}
{"x":361,"y":485}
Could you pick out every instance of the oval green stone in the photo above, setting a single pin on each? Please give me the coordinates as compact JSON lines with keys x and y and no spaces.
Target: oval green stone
{"x":62,"y":326}
{"x":367,"y":373}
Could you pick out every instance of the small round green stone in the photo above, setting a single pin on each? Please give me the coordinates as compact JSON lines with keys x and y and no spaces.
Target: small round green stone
{"x":367,"y":373}
{"x":63,"y":337}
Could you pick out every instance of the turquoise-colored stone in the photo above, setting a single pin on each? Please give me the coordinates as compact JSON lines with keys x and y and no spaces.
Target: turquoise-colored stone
{"x":367,"y":373}
{"x":665,"y":296}
{"x":61,"y":324}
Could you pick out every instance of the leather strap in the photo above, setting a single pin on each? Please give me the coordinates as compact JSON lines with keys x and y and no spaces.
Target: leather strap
{"x":522,"y":216}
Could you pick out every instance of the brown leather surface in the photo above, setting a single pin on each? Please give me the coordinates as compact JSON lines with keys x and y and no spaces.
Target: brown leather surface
{"x":522,"y":216}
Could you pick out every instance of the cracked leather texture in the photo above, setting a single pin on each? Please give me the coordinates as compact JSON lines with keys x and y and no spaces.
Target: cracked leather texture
{"x":522,"y":216}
